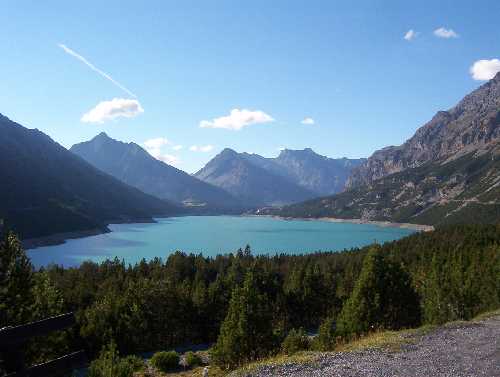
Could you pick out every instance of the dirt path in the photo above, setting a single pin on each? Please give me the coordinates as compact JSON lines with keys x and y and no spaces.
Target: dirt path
{"x":456,"y":350}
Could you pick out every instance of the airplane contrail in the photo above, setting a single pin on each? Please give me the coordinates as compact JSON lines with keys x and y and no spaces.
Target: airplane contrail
{"x":94,"y":68}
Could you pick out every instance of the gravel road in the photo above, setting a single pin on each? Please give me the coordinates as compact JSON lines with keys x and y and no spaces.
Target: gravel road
{"x":456,"y":350}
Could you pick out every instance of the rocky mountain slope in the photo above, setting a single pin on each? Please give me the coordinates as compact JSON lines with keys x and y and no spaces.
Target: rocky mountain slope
{"x":252,"y":184}
{"x":465,"y":190}
{"x":45,"y":189}
{"x":471,"y":126}
{"x":132,"y":165}
{"x":448,"y":172}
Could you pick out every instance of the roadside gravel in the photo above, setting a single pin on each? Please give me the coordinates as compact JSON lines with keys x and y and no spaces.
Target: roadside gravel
{"x":469,"y":349}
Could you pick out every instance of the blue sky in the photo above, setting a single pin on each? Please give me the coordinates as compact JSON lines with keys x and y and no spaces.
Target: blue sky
{"x":344,"y":64}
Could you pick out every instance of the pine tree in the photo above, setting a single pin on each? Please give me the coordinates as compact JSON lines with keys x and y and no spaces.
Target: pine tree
{"x":16,"y":282}
{"x":383,"y":298}
{"x":325,"y":341}
{"x":246,"y":333}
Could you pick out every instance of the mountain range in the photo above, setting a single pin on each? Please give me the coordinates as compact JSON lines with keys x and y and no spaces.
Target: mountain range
{"x":293,"y":176}
{"x":319,"y":174}
{"x":252,"y":184}
{"x":448,"y":172}
{"x":133,"y":165}
{"x":46,"y":189}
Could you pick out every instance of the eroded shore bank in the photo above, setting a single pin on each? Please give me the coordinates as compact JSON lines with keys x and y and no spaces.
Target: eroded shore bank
{"x":386,"y":224}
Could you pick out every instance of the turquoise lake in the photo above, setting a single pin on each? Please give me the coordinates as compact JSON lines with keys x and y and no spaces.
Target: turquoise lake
{"x":212,"y":235}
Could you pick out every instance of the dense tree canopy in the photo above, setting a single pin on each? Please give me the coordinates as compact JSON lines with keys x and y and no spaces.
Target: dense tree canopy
{"x":451,"y":273}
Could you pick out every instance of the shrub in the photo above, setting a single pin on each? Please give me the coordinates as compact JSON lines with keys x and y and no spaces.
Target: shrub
{"x":165,"y":361}
{"x":295,"y":341}
{"x":135,"y":362}
{"x":325,"y":341}
{"x":193,"y":359}
{"x":109,"y":364}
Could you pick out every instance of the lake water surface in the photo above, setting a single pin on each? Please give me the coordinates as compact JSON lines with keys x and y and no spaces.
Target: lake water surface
{"x":212,"y":235}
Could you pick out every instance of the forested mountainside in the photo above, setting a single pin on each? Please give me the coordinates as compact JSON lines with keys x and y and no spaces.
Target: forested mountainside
{"x":449,"y":172}
{"x":252,"y":184}
{"x":132,"y":165}
{"x":45,"y":189}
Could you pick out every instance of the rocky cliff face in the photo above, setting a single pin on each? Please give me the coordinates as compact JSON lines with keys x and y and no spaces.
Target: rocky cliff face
{"x":473,"y":125}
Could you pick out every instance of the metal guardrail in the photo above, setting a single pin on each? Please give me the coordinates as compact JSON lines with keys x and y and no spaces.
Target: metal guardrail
{"x":13,"y":339}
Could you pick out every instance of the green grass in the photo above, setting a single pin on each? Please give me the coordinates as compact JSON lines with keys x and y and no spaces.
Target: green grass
{"x":487,"y":315}
{"x":304,"y":357}
{"x":386,"y":340}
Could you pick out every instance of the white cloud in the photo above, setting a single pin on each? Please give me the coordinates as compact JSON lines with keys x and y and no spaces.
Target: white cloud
{"x":202,"y":148}
{"x":445,"y":33}
{"x":108,"y":110}
{"x":485,"y":69}
{"x":309,"y":121}
{"x":237,"y":119}
{"x":156,"y":142}
{"x":170,"y":159}
{"x":95,"y":69}
{"x":410,"y":35}
{"x":177,"y":147}
{"x":167,"y":158}
{"x":206,"y":148}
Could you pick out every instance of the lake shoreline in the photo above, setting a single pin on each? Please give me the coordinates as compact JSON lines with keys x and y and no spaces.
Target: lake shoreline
{"x":61,"y":238}
{"x":209,"y":236}
{"x":384,"y":224}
